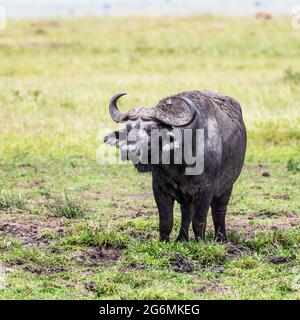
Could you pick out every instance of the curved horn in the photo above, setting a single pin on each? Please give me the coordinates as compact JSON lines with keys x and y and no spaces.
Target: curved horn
{"x":176,"y":121}
{"x":115,"y":113}
{"x":193,"y":109}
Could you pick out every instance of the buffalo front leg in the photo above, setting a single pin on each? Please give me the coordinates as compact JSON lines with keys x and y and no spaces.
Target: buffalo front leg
{"x":200,"y":215}
{"x":187,"y":212}
{"x":165,"y":205}
{"x":219,"y":209}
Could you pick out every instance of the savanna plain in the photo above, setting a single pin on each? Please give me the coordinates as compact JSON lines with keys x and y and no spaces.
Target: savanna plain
{"x":71,"y":228}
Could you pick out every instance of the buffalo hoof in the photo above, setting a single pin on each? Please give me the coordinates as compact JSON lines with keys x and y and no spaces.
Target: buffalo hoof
{"x":182,"y":239}
{"x":199,"y":238}
{"x":220,"y":238}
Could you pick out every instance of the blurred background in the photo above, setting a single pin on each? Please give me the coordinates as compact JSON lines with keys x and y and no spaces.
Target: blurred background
{"x":67,"y":8}
{"x":64,"y":58}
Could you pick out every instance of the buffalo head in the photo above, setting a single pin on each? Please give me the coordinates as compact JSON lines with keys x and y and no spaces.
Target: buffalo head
{"x":141,"y":124}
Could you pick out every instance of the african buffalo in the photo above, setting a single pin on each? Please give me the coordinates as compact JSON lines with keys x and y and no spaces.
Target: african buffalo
{"x":219,"y":119}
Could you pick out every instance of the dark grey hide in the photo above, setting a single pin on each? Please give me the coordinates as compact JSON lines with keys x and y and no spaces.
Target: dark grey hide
{"x":224,"y":151}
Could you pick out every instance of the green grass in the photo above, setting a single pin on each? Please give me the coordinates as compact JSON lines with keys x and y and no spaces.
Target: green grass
{"x":10,"y":200}
{"x":292,"y":75}
{"x":66,"y":207}
{"x":89,"y":236}
{"x":100,"y":239}
{"x":293,"y":165}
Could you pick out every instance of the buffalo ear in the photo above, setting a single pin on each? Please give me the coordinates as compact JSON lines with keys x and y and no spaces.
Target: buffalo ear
{"x":112,"y":139}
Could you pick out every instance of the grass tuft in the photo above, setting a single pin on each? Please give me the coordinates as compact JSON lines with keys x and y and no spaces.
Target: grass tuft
{"x":292,"y":75}
{"x":158,"y":254}
{"x":267,"y":241}
{"x":96,"y":236}
{"x":9,"y":199}
{"x":66,"y":207}
{"x":293,"y":164}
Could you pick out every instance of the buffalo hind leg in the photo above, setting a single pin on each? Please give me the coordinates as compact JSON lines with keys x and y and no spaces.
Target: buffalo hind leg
{"x":219,"y":209}
{"x":165,"y":205}
{"x":200,"y":215}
